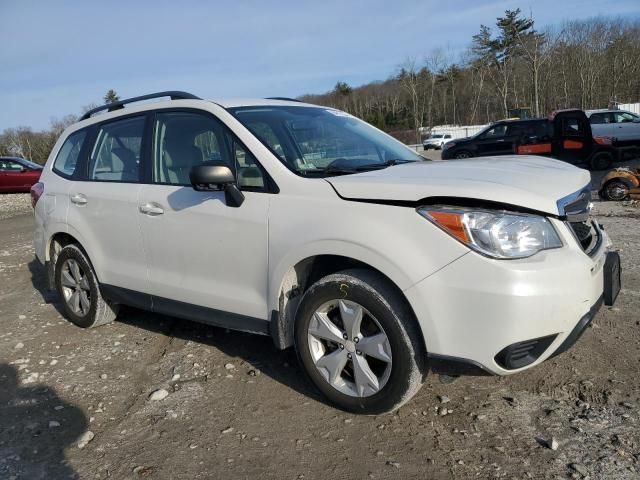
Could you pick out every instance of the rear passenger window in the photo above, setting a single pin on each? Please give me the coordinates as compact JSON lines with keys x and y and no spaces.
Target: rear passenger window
{"x":116,"y":155}
{"x":67,"y":159}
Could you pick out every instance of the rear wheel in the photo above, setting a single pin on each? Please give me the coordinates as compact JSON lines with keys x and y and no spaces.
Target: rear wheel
{"x":359,"y":343}
{"x":78,"y":287}
{"x":462,"y":154}
{"x":615,"y":190}
{"x":601,"y":161}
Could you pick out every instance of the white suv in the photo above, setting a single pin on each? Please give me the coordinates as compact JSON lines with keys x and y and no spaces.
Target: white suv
{"x":308,"y":225}
{"x":621,"y":125}
{"x":436,"y":141}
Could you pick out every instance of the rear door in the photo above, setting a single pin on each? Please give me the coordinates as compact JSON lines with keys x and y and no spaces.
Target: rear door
{"x":201,"y":252}
{"x":103,"y":207}
{"x":602,"y":124}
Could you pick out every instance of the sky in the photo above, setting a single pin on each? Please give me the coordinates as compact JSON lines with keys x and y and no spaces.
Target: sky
{"x":58,"y":56}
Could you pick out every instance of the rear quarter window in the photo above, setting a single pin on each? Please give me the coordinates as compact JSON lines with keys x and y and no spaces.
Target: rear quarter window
{"x":68,"y":156}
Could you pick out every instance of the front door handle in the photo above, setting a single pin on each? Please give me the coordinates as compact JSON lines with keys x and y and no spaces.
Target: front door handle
{"x":151,"y":209}
{"x":79,"y":199}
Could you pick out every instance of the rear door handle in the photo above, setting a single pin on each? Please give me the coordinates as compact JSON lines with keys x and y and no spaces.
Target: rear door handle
{"x":151,"y":209}
{"x":79,"y":199}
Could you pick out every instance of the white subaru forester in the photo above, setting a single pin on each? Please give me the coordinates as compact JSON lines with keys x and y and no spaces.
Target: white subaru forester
{"x":306,"y":224}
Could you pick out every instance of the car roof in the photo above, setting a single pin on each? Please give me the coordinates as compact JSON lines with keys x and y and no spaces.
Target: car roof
{"x":607,"y":110}
{"x":105,"y":113}
{"x":255,"y":102}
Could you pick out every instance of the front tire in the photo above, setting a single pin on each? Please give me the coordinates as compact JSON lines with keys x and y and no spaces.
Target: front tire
{"x":616,"y":191}
{"x":359,"y":342}
{"x":78,"y":287}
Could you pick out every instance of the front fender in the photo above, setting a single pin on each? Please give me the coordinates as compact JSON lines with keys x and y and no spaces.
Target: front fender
{"x":341,"y":248}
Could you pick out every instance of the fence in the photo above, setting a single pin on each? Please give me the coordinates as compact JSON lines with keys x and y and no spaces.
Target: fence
{"x":457,"y":131}
{"x":630,"y":107}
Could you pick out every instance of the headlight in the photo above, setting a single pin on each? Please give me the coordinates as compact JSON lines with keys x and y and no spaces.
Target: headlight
{"x":495,"y":233}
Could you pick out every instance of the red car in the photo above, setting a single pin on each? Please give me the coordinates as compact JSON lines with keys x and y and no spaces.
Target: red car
{"x":18,"y":174}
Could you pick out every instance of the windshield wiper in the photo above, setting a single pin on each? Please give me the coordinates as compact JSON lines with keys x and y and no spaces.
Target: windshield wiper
{"x":380,"y":166}
{"x":336,"y":170}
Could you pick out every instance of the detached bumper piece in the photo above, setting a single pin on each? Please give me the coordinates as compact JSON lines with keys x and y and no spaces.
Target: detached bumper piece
{"x":521,"y":354}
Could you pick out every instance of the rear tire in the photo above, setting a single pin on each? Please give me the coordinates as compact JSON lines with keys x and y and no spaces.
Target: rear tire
{"x":601,"y":161}
{"x":371,"y":369}
{"x":78,"y":287}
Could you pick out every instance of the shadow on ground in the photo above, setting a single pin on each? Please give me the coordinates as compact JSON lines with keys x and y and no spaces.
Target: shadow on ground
{"x":257,"y":350}
{"x":35,"y":428}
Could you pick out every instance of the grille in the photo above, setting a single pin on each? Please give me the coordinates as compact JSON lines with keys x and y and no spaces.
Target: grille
{"x":575,"y":208}
{"x":586,"y":234}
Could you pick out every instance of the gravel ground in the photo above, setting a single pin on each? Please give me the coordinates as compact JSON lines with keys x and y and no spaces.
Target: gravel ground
{"x":12,"y":204}
{"x":156,"y":397}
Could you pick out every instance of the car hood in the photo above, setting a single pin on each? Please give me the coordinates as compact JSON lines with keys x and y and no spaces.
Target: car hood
{"x":535,"y":183}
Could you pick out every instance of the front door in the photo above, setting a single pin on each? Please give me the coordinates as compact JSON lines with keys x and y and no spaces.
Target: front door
{"x":201,"y":252}
{"x":495,"y":141}
{"x":625,"y":128}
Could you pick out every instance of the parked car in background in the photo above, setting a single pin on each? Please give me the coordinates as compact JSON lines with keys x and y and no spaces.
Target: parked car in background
{"x":622,"y":126}
{"x":436,"y":141}
{"x":565,"y":135}
{"x":18,"y":174}
{"x":621,"y":184}
{"x":497,"y":139}
{"x":326,"y":234}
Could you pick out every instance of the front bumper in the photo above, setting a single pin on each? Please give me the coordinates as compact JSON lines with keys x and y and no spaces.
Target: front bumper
{"x":476,"y":307}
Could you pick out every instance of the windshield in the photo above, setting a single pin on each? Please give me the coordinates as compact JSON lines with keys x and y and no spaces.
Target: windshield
{"x":322,"y":141}
{"x":29,"y":164}
{"x":437,"y":136}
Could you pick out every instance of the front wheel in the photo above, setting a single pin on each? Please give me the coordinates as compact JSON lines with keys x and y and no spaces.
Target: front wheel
{"x":78,"y":287}
{"x":359,"y":342}
{"x":615,"y":190}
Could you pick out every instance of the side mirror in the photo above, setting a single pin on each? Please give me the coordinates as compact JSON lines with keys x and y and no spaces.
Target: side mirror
{"x":216,"y":176}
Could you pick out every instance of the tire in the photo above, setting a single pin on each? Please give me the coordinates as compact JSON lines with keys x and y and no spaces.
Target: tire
{"x":615,"y":190}
{"x":601,"y":161}
{"x":94,"y":310}
{"x":463,"y":154}
{"x":398,"y":360}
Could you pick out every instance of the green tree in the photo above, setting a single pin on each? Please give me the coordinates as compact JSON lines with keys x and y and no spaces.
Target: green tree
{"x":111,"y":96}
{"x":342,"y":88}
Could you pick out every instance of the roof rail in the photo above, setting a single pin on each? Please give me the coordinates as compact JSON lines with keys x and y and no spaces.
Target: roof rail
{"x":110,"y":107}
{"x":287,"y":99}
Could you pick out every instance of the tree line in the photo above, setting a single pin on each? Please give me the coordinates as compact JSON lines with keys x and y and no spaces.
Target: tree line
{"x":36,"y":145}
{"x":509,"y":69}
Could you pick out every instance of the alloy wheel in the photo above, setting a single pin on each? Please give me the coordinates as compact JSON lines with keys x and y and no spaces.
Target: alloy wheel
{"x":75,"y":287}
{"x":349,"y":348}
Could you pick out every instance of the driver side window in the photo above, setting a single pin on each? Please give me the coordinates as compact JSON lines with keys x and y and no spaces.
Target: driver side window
{"x":495,"y":132}
{"x":182,"y":140}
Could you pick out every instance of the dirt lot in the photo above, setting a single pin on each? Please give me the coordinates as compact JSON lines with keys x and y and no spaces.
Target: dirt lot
{"x":237,"y":408}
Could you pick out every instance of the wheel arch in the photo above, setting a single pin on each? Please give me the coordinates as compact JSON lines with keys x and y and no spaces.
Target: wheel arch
{"x":297,"y":278}
{"x":57,"y":242}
